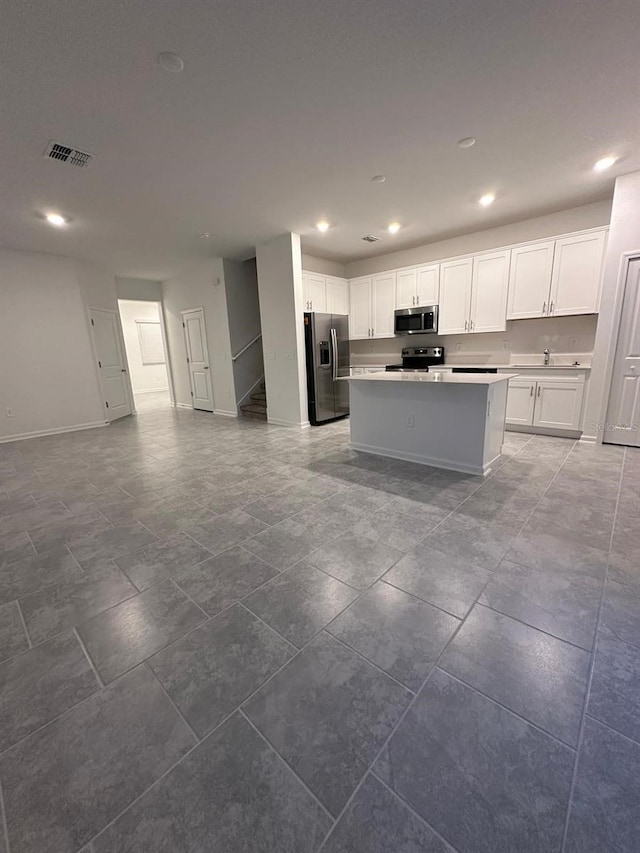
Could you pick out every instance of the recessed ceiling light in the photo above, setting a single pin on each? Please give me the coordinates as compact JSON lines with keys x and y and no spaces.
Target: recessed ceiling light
{"x":170,"y":62}
{"x":487,"y":199}
{"x":467,"y":142}
{"x":604,"y":163}
{"x":205,"y":235}
{"x":55,"y":219}
{"x":323,"y":225}
{"x":379,"y":179}
{"x":394,"y":227}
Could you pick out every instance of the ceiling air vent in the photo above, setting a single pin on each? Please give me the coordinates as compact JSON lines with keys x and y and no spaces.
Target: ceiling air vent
{"x":72,"y":156}
{"x":371,"y":238}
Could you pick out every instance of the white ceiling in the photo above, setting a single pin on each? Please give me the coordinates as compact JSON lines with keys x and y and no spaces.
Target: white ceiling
{"x":286,"y":109}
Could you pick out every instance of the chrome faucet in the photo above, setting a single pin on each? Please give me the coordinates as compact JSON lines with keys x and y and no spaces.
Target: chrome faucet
{"x":547,"y":356}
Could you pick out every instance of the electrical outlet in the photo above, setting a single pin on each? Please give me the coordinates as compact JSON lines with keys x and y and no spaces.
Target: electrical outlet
{"x":8,"y":413}
{"x":505,"y":345}
{"x":411,"y":420}
{"x":458,"y":347}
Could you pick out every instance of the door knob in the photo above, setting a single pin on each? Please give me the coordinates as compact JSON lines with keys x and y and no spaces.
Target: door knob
{"x":206,"y":367}
{"x":123,"y":370}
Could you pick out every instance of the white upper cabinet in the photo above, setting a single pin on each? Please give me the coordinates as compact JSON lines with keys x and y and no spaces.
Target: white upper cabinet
{"x":337,"y":290}
{"x":489,"y":292}
{"x":360,"y":308}
{"x":383,"y":300}
{"x":314,"y":292}
{"x":406,"y":288}
{"x":418,"y":286}
{"x":577,"y":268}
{"x":530,"y":280}
{"x":428,"y":285}
{"x":455,"y":296}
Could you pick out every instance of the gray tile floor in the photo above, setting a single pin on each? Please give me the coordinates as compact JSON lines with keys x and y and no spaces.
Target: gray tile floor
{"x":220,"y":635}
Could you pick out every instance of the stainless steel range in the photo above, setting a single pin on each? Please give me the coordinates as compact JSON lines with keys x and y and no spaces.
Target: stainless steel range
{"x":418,"y":359}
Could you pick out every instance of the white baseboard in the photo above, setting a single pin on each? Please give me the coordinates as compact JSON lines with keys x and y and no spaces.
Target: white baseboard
{"x":150,"y":391}
{"x":424,"y":460}
{"x":21,"y":436}
{"x":183,"y":406}
{"x":225,"y":413}
{"x":290,"y":424}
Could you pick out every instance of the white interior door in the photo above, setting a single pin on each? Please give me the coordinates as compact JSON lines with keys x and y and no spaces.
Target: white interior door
{"x":623,"y":416}
{"x":111,"y":363}
{"x":195,"y":338}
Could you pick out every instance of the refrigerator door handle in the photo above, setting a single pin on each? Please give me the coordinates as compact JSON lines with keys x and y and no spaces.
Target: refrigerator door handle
{"x":334,"y":354}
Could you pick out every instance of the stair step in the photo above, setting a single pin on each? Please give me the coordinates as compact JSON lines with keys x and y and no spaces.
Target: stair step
{"x":254,"y":408}
{"x":260,"y":415}
{"x":259,"y":398}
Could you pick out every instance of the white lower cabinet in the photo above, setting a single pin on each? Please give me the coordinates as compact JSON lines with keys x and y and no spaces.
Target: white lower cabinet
{"x":558,"y":404}
{"x":548,"y":403}
{"x":521,"y":400}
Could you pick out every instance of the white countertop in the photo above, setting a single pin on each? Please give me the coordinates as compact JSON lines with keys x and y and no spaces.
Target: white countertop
{"x":450,"y":365}
{"x":433,"y":378}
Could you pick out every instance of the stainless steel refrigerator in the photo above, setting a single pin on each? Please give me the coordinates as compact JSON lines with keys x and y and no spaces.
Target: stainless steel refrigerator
{"x":327,"y":350}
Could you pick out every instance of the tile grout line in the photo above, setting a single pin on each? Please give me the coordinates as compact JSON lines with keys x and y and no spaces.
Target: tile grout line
{"x":3,"y":816}
{"x":611,"y":729}
{"x":365,"y":659}
{"x":535,"y":627}
{"x":413,"y":812}
{"x":76,"y":634}
{"x":587,"y":695}
{"x":174,"y":705}
{"x":288,"y":766}
{"x":188,"y":597}
{"x":272,"y":630}
{"x":24,"y":625}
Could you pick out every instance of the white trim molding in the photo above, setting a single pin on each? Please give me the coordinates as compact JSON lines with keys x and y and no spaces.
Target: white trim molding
{"x":224,"y":413}
{"x":21,"y":436}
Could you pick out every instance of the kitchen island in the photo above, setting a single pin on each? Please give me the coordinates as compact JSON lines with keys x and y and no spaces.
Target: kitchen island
{"x":453,"y":421}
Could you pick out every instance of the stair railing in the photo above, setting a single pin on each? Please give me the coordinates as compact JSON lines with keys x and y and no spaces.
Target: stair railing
{"x":245,"y":348}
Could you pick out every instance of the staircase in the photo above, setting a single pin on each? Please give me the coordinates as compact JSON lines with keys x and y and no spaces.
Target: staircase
{"x":256,"y":408}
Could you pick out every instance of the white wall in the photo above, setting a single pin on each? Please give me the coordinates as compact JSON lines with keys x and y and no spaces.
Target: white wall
{"x":564,"y":336}
{"x":243,"y":308}
{"x":562,"y":222}
{"x":624,"y":239}
{"x":139,"y":288}
{"x":281,"y":307}
{"x":323,"y":266}
{"x":201,"y":285}
{"x":47,"y":371}
{"x":144,"y":377}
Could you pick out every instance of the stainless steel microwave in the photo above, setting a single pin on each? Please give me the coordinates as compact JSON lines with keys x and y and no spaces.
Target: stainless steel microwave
{"x":421,"y":320}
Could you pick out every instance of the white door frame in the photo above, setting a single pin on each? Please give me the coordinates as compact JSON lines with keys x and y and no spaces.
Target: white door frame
{"x":616,"y":321}
{"x":123,"y":350}
{"x":163,"y":331}
{"x":186,"y":347}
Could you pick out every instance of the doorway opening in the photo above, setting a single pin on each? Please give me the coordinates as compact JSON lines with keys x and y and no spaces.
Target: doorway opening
{"x":144,"y":343}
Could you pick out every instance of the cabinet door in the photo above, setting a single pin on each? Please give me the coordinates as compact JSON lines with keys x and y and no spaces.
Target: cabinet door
{"x":558,"y":404}
{"x":406,"y":289}
{"x":360,"y":308}
{"x":455,"y":296}
{"x":428,"y":285}
{"x":530,"y":281}
{"x":314,"y":292}
{"x":489,"y":292}
{"x":577,"y":268}
{"x":383,"y":304}
{"x":337,"y":296}
{"x":521,"y":398}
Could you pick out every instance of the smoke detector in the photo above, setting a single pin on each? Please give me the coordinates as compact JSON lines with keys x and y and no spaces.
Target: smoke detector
{"x":66,"y":154}
{"x":371,"y":238}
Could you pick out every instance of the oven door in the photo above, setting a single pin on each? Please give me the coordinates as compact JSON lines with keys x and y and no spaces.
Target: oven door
{"x":408,"y":321}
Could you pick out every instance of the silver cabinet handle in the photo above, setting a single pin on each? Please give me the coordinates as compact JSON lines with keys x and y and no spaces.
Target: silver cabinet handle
{"x":531,"y":391}
{"x":544,"y":306}
{"x":551,"y":307}
{"x":471,"y":325}
{"x":373,"y":331}
{"x":466,"y":324}
{"x":539,"y":389}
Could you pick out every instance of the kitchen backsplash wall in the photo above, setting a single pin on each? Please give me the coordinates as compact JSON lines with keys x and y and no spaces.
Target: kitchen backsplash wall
{"x":566,"y":335}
